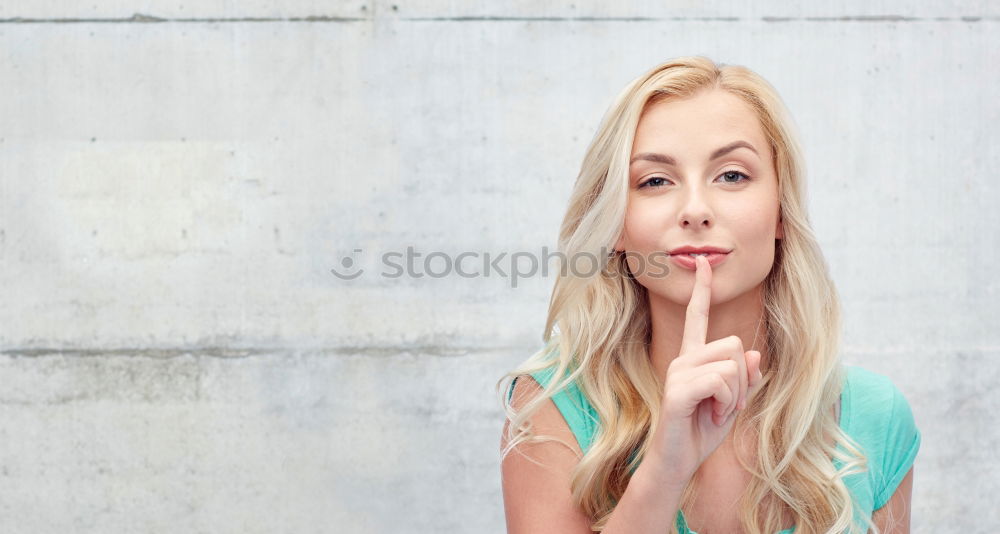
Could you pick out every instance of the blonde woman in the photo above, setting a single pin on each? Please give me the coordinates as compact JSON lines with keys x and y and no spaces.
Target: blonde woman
{"x":694,"y":384}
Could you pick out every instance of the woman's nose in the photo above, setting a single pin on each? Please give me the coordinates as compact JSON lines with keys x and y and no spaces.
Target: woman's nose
{"x":695,"y":211}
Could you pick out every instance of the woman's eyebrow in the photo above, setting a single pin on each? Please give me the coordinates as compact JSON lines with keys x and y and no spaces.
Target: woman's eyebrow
{"x":663,"y":158}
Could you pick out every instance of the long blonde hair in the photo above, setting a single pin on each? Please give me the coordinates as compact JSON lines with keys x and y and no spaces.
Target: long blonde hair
{"x":598,"y":330}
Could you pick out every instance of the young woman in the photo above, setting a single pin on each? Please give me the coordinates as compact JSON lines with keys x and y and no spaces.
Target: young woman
{"x":694,"y":385}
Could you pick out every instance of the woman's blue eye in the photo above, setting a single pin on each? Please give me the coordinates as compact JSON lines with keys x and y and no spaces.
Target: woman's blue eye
{"x":738,"y":173}
{"x":651,"y":180}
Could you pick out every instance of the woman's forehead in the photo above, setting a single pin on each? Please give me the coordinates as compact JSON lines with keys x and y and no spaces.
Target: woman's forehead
{"x":698,"y":127}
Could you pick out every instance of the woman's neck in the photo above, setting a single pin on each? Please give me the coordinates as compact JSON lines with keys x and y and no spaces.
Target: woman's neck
{"x":742,"y":316}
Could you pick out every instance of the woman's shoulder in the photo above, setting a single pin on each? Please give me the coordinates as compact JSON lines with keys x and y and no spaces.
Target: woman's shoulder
{"x":874,"y":393}
{"x":875,"y":399}
{"x":573,"y":405}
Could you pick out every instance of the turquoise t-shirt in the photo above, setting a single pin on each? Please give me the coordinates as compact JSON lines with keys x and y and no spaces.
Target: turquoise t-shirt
{"x":872,"y":411}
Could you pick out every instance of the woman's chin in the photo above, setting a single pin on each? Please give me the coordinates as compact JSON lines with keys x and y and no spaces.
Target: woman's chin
{"x":679,"y":294}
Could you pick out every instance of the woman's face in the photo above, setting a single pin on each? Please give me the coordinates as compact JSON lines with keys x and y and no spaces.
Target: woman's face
{"x":684,"y":190}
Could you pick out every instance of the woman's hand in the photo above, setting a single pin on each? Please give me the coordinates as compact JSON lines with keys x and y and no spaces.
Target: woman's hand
{"x":705,"y":386}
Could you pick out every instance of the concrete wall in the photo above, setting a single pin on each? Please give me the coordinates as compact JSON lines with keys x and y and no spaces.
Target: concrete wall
{"x":178,"y":179}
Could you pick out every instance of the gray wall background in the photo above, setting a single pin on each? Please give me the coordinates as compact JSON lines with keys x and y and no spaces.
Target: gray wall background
{"x":178,"y":180}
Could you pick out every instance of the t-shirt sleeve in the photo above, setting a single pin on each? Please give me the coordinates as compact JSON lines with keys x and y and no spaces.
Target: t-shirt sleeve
{"x":574,"y":407}
{"x":576,"y":410}
{"x":900,"y":449}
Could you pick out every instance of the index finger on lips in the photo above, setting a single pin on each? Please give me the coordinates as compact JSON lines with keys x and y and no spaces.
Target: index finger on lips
{"x":696,"y":320}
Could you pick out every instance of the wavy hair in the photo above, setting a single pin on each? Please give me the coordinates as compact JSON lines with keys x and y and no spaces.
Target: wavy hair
{"x":598,"y":330}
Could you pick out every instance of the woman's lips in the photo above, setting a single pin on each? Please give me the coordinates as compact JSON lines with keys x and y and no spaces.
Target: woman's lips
{"x":687,"y":260}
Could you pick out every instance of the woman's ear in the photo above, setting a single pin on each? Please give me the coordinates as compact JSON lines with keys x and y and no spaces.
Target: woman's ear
{"x":620,"y":244}
{"x":779,"y":232}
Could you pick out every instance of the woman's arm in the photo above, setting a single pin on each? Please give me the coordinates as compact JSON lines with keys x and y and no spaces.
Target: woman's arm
{"x":894,"y":517}
{"x":538,"y":499}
